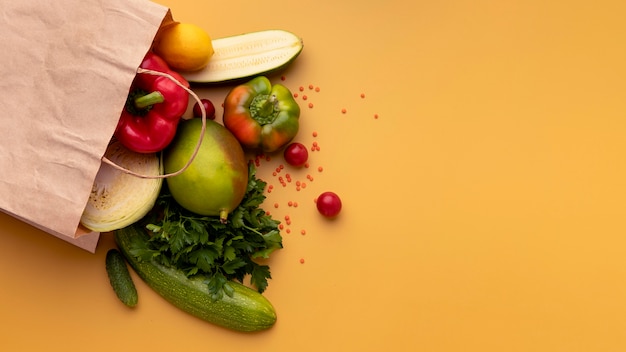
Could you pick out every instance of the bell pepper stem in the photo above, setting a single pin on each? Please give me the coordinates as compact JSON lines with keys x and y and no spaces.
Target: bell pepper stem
{"x":149,"y":99}
{"x":263,"y":108}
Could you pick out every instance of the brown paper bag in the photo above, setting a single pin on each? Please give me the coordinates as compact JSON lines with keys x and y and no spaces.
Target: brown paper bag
{"x":67,"y":67}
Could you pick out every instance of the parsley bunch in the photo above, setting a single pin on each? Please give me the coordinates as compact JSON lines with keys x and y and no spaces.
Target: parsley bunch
{"x":204,"y":245}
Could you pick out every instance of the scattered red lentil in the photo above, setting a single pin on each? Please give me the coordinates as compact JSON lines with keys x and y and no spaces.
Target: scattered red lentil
{"x":306,"y":165}
{"x":281,"y":166}
{"x":282,"y":78}
{"x":320,"y":169}
{"x":290,"y":203}
{"x":311,"y":86}
{"x":288,"y":230}
{"x":304,"y":97}
{"x":281,"y":226}
{"x":375,"y":116}
{"x":275,"y":205}
{"x":274,"y":173}
{"x":310,"y":105}
{"x":295,"y":95}
{"x":343,"y":111}
{"x":295,"y":204}
{"x":317,"y":89}
{"x":314,"y":134}
{"x":303,"y":185}
{"x":303,"y":232}
{"x":301,"y":88}
{"x":362,"y":95}
{"x":301,"y":260}
{"x":287,"y":217}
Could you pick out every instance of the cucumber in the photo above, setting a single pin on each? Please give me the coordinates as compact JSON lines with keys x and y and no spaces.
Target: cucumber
{"x":246,"y":310}
{"x":246,"y":55}
{"x":120,"y":278}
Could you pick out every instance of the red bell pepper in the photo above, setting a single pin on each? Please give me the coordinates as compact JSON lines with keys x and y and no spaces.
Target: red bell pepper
{"x":153,"y":109}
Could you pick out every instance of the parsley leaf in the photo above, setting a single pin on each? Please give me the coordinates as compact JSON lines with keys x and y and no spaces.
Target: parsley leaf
{"x":203,"y":245}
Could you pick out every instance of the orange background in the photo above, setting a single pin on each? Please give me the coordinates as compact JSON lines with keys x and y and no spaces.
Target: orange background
{"x":483,"y":208}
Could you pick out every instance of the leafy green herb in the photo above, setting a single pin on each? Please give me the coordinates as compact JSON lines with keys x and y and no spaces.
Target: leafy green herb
{"x":204,"y":245}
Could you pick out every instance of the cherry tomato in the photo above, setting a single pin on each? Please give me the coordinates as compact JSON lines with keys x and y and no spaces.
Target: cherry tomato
{"x":296,"y":154}
{"x":329,"y":204}
{"x":208,"y":106}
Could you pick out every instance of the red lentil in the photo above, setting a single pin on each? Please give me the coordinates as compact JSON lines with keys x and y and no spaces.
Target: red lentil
{"x":362,"y":95}
{"x":303,"y":232}
{"x":304,"y":97}
{"x":288,"y":230}
{"x":295,"y":95}
{"x":301,"y":260}
{"x":320,"y":169}
{"x":275,"y":205}
{"x":301,"y":88}
{"x":343,"y":111}
{"x":314,"y":134}
{"x":310,"y":105}
{"x":317,"y":89}
{"x":310,"y":86}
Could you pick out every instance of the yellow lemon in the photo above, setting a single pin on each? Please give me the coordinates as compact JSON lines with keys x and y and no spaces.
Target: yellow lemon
{"x":184,"y":46}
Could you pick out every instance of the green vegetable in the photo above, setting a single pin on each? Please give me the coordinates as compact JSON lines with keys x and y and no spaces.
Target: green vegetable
{"x":246,"y":55}
{"x":120,"y":278}
{"x":222,"y":251}
{"x":243,"y":309}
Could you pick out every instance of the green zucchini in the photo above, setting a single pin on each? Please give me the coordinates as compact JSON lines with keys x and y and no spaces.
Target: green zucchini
{"x":120,"y":278}
{"x":242,"y":56}
{"x":246,"y":310}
